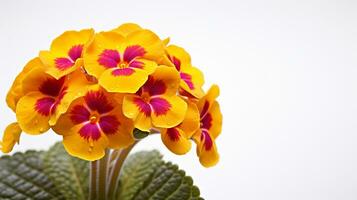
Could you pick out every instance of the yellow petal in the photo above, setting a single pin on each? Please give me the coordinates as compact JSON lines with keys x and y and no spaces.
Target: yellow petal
{"x":29,"y":119}
{"x":174,"y":115}
{"x":123,"y":137}
{"x":133,"y":111}
{"x":16,"y":90}
{"x":152,"y":44}
{"x":34,"y":79}
{"x":10,"y":138}
{"x":127,"y":28}
{"x":66,"y":40}
{"x":191,"y":122}
{"x":209,"y":98}
{"x":179,"y":53}
{"x":77,"y":86}
{"x":123,"y":83}
{"x":206,"y":149}
{"x":166,"y":41}
{"x":192,"y":81}
{"x":175,"y":140}
{"x":80,"y":147}
{"x":216,"y":114}
{"x":169,"y":76}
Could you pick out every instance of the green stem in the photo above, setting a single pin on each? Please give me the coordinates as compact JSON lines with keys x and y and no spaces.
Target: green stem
{"x":93,"y":180}
{"x":98,"y":178}
{"x":116,"y":169}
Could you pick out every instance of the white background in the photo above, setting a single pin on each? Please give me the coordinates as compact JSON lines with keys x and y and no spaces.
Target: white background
{"x":287,"y":72}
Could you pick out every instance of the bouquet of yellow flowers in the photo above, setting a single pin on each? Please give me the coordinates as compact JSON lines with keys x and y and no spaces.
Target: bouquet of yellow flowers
{"x":103,"y":92}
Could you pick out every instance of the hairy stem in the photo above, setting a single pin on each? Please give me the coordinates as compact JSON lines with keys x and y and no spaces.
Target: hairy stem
{"x":113,"y":179}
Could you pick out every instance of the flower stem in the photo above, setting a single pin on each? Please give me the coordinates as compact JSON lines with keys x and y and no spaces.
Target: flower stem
{"x":93,"y":180}
{"x":98,"y":178}
{"x":113,"y":179}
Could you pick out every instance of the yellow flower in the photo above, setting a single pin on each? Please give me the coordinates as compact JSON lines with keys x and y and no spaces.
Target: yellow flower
{"x":191,"y":78}
{"x":177,"y":139}
{"x":156,"y":103}
{"x":127,"y":28}
{"x":65,"y":55}
{"x":10,"y":138}
{"x":46,"y":98}
{"x":93,"y":123}
{"x":122,"y":63}
{"x":15,"y":92}
{"x":210,"y":128}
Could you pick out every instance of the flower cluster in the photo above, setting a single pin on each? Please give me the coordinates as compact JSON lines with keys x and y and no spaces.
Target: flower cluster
{"x":94,"y":89}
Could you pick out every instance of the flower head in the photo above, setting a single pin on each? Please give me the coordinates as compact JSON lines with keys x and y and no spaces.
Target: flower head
{"x":191,"y":77}
{"x":156,"y":103}
{"x":122,"y":63}
{"x":46,"y":98}
{"x":95,"y":89}
{"x":65,"y":54}
{"x":93,"y":123}
{"x":210,"y":128}
{"x":177,"y":139}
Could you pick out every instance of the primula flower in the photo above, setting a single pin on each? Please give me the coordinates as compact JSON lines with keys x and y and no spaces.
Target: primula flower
{"x":191,"y":77}
{"x":177,"y":139}
{"x":65,"y":54}
{"x":46,"y":98}
{"x":93,"y":123}
{"x":10,"y":138}
{"x":210,"y":128}
{"x":15,"y":92}
{"x":156,"y":103}
{"x":122,"y":63}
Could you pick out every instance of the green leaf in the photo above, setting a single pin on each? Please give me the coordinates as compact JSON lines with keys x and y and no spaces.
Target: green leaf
{"x":139,"y":134}
{"x":69,"y":174}
{"x":22,"y":177}
{"x":146,"y":176}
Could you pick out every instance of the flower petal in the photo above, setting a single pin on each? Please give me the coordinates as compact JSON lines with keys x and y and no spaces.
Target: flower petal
{"x":163,"y":80}
{"x":16,"y":92}
{"x":118,"y":129}
{"x":127,"y":28}
{"x":178,"y":56}
{"x":191,"y":122}
{"x":168,"y":114}
{"x":206,"y":149}
{"x":152,"y":44}
{"x":136,"y":109}
{"x":32,"y":113}
{"x":10,"y":138}
{"x":85,"y":148}
{"x":205,"y":103}
{"x":175,"y":140}
{"x":113,"y":81}
{"x":192,"y":81}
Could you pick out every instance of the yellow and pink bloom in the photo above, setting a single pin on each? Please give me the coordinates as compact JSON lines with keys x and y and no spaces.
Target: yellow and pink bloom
{"x":156,"y":103}
{"x":122,"y":63}
{"x":93,"y":123}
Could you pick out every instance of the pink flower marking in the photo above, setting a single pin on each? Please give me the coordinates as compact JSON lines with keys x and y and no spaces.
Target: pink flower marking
{"x":97,"y":101}
{"x":74,"y":53}
{"x":123,"y":72}
{"x":131,"y":52}
{"x":109,"y":58}
{"x":188,"y":80}
{"x":160,"y":106}
{"x":173,"y":134}
{"x":90,"y":131}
